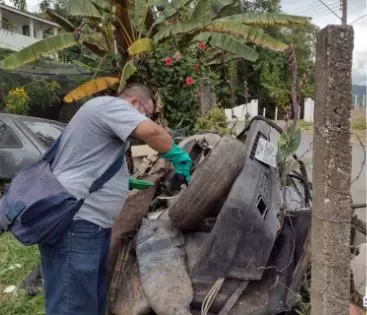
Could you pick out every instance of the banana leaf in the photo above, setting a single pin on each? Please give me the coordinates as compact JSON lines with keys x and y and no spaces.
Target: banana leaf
{"x":64,"y":23}
{"x":47,"y":46}
{"x":250,"y":34}
{"x":140,"y":46}
{"x":267,"y":19}
{"x":229,"y":44}
{"x":127,"y":72}
{"x":89,"y":88}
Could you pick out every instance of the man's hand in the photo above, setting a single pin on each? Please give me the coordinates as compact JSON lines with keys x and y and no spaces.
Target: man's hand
{"x":181,"y":161}
{"x":160,"y":140}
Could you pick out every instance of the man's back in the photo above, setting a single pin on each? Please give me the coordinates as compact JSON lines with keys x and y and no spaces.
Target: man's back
{"x":91,"y":142}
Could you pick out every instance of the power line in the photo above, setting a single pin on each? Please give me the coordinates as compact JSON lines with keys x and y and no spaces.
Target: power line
{"x":330,"y":8}
{"x":312,"y":7}
{"x":313,"y":11}
{"x":358,"y":19}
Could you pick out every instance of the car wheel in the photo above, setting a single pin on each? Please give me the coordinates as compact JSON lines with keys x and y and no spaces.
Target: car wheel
{"x":210,"y":183}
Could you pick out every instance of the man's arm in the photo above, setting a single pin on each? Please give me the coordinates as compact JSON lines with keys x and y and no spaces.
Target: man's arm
{"x":154,"y":136}
{"x":160,"y":140}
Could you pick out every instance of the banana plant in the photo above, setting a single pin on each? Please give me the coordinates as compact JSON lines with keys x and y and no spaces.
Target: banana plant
{"x":232,"y":33}
{"x":108,"y":28}
{"x":128,"y":29}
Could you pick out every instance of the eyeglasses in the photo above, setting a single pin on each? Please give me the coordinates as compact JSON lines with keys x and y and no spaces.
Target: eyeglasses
{"x":147,"y":112}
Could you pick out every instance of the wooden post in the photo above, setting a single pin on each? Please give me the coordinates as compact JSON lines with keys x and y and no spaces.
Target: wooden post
{"x":332,"y":158}
{"x":276,"y":114}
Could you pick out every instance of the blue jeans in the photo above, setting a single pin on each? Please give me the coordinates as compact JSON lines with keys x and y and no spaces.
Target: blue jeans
{"x":75,"y":271}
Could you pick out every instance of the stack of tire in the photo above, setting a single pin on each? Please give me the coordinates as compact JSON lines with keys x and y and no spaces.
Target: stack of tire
{"x":228,"y":211}
{"x":211,"y":181}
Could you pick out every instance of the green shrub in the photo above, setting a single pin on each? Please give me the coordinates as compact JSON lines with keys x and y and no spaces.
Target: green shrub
{"x":7,"y":83}
{"x":17,"y":101}
{"x":176,"y":74}
{"x":43,"y":93}
{"x":214,"y":121}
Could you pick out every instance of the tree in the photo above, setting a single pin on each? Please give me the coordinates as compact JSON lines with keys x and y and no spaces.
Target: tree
{"x":20,"y":5}
{"x":213,"y":22}
{"x":110,"y":27}
{"x":229,"y":27}
{"x":272,"y":67}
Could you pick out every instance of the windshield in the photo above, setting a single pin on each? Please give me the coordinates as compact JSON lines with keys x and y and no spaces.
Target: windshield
{"x":45,"y":132}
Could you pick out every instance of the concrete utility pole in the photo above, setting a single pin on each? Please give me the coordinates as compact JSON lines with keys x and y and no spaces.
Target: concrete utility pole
{"x":344,"y":11}
{"x":332,"y":156}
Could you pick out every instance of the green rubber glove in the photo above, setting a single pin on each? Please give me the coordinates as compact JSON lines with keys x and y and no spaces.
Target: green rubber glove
{"x":180,"y":160}
{"x":139,"y":184}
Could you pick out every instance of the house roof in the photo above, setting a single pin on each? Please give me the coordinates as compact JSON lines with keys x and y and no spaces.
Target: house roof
{"x":26,"y":14}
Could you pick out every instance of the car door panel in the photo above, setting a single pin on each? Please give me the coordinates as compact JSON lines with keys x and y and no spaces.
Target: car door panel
{"x":16,"y":151}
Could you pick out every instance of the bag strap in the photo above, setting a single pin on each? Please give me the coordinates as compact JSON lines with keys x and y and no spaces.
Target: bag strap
{"x":111,"y":171}
{"x":97,"y":184}
{"x":50,"y":154}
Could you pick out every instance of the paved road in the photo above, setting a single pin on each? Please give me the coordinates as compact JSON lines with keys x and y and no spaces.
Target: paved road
{"x":358,"y":187}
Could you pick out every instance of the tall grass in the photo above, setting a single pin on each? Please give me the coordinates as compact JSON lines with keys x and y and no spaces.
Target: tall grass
{"x":16,"y":262}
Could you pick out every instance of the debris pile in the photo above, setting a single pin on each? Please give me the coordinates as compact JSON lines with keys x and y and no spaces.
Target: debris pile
{"x":226,"y":244}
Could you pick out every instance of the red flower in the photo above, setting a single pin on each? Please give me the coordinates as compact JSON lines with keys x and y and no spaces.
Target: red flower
{"x":202,"y":45}
{"x":189,"y":81}
{"x":197,"y":66}
{"x":169,"y":61}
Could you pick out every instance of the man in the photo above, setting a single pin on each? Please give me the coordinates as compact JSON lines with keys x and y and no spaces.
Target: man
{"x":75,"y":270}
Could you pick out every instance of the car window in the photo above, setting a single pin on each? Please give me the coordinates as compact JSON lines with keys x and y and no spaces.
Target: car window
{"x":45,"y":132}
{"x":7,"y":137}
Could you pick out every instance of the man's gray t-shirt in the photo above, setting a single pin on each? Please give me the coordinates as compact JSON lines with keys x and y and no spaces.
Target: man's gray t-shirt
{"x":90,"y":143}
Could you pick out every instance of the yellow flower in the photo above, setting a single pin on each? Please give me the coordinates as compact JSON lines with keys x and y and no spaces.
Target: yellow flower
{"x":17,"y":101}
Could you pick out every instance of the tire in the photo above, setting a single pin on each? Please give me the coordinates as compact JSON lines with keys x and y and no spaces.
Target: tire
{"x":210,"y":183}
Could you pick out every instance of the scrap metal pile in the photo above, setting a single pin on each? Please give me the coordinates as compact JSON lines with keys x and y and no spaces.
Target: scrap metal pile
{"x":234,"y":241}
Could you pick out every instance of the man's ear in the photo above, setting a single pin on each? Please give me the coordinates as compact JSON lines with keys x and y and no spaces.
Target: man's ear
{"x":133,"y":100}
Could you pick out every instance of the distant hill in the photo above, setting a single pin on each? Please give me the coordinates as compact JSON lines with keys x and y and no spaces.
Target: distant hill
{"x":359,"y":96}
{"x":359,"y":90}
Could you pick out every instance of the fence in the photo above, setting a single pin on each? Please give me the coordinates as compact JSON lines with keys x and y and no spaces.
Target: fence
{"x":239,"y":112}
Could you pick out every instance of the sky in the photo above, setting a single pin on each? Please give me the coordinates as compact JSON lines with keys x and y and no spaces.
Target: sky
{"x":322,"y":16}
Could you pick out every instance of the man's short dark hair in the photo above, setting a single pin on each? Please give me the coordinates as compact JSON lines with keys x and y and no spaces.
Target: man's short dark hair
{"x":138,"y":90}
